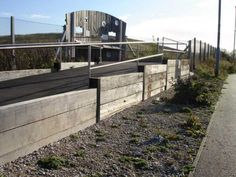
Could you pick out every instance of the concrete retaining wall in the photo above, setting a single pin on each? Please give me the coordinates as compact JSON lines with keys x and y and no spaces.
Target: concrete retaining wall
{"x":116,"y":93}
{"x":173,"y":72}
{"x":9,"y":75}
{"x":26,"y":126}
{"x":154,"y":79}
{"x":185,"y":69}
{"x":71,"y":65}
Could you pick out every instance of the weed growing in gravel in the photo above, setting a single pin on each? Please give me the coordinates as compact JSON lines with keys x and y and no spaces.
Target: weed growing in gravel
{"x":108,"y":155}
{"x":168,"y":136}
{"x":100,"y":136}
{"x":186,"y":110}
{"x":187,"y":169}
{"x":177,"y":155}
{"x":100,"y":139}
{"x":151,"y":149}
{"x":169,"y":162}
{"x":52,"y":162}
{"x":135,"y":135}
{"x":134,"y":141}
{"x":193,"y":127}
{"x":125,"y":118}
{"x":80,"y":153}
{"x":143,"y":123}
{"x":98,"y":174}
{"x":115,"y":126}
{"x":74,"y":137}
{"x":138,"y":163}
{"x":163,"y":149}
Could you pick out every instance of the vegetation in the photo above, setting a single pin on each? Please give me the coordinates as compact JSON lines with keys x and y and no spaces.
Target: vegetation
{"x":203,"y":89}
{"x":138,"y":163}
{"x":193,"y":127}
{"x":29,"y":58}
{"x":52,"y":162}
{"x":80,"y":153}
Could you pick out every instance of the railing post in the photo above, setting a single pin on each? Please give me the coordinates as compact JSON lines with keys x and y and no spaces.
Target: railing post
{"x":13,"y":65}
{"x":89,"y":60}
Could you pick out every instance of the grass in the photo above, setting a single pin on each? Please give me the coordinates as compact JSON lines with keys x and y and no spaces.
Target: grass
{"x":80,"y":153}
{"x":167,"y":135}
{"x":187,"y":169}
{"x":193,"y":127}
{"x":114,"y":126}
{"x":186,"y":110}
{"x":100,"y":136}
{"x":52,"y":162}
{"x":203,"y":89}
{"x":134,"y":141}
{"x":138,"y":163}
{"x":74,"y":137}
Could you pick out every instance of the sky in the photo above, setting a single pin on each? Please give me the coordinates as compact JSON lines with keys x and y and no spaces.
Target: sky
{"x":146,"y":19}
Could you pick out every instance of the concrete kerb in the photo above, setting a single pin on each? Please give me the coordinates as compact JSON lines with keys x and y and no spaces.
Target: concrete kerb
{"x":191,"y":174}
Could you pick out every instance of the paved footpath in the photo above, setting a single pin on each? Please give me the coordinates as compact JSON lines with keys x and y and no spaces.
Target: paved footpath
{"x":218,"y":158}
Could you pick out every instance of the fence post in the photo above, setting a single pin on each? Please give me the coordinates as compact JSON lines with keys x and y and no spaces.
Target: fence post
{"x":13,"y":64}
{"x":200,"y":51}
{"x":204,"y":52}
{"x":208,"y":51}
{"x":177,"y":48}
{"x":194,"y":53}
{"x":158,"y":46}
{"x":162,"y":57}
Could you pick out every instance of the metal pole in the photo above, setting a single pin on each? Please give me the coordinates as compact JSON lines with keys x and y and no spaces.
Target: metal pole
{"x":158,"y":49}
{"x":217,"y":68}
{"x":194,"y":53}
{"x":190,"y":54}
{"x":200,"y":52}
{"x":121,"y":40}
{"x":163,"y":39}
{"x":13,"y":42}
{"x":204,"y":52}
{"x":177,"y":48}
{"x":234,"y":36}
{"x":89,"y":60}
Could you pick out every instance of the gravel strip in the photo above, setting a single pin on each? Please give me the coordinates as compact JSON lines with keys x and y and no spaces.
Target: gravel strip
{"x":148,"y":139}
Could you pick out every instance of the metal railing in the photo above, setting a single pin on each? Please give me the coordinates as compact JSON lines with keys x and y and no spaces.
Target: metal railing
{"x":97,"y":44}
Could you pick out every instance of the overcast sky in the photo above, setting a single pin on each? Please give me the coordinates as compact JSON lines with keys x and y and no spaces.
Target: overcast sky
{"x":178,"y":19}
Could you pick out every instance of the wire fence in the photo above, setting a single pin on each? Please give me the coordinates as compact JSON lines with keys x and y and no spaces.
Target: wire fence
{"x":200,"y":51}
{"x":27,"y":32}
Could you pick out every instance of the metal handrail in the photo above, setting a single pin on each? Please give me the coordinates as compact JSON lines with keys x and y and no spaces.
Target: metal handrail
{"x":175,"y":41}
{"x":70,"y":44}
{"x":174,"y":51}
{"x":127,"y":61}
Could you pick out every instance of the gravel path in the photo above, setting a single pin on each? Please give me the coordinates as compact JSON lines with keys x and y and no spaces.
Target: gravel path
{"x":149,"y":139}
{"x":218,"y":157}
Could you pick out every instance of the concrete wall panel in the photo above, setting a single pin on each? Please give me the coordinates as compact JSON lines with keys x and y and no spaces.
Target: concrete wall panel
{"x":32,"y":124}
{"x":9,"y":75}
